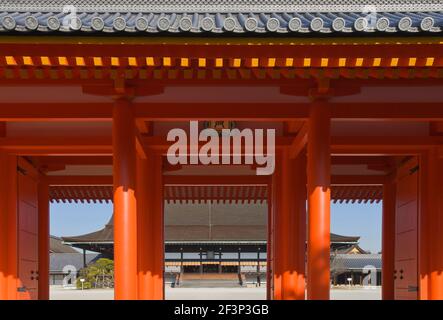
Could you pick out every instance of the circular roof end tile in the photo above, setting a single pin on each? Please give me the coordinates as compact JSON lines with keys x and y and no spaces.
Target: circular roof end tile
{"x":382,"y":24}
{"x":251,"y":24}
{"x":141,"y":24}
{"x":317,"y":24}
{"x":405,"y":24}
{"x":273,"y":24}
{"x":229,"y":24}
{"x":31,"y":23}
{"x":163,"y":24}
{"x":427,"y":23}
{"x":294,"y":24}
{"x":338,"y":24}
{"x":119,"y":24}
{"x":53,"y":23}
{"x":185,"y":24}
{"x":9,"y":23}
{"x":361,"y":24}
{"x":207,"y":24}
{"x":97,"y":24}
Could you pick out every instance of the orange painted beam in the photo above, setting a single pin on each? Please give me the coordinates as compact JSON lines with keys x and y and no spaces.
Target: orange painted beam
{"x":223,"y":111}
{"x":43,"y":239}
{"x":56,"y":145}
{"x":388,"y":240}
{"x":300,"y":141}
{"x":356,"y":180}
{"x":43,"y":162}
{"x":125,"y":209}
{"x":79,"y":180}
{"x":245,"y":50}
{"x":215,"y":180}
{"x":319,"y":197}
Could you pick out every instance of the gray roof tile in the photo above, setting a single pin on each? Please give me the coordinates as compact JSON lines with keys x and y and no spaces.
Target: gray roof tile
{"x":222,"y":16}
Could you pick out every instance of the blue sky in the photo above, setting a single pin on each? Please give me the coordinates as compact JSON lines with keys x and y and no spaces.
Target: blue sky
{"x":362,"y":220}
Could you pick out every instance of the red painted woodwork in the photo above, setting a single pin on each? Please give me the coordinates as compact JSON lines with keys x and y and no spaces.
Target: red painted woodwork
{"x":125,"y":210}
{"x":270,"y":246}
{"x":319,"y":195}
{"x":388,"y":240}
{"x":8,"y":227}
{"x":28,"y":253}
{"x":150,"y":228}
{"x":43,"y":239}
{"x":406,"y":232}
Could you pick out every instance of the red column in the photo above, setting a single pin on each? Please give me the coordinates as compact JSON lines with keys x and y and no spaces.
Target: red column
{"x":43,"y":239}
{"x":150,"y":228}
{"x":299,"y":236}
{"x":435,"y":227}
{"x":319,"y":194}
{"x":280,"y":213}
{"x":269,"y":247}
{"x":388,"y":240}
{"x":158,"y":228}
{"x":125,"y":219}
{"x":290,"y":223}
{"x":8,"y":227}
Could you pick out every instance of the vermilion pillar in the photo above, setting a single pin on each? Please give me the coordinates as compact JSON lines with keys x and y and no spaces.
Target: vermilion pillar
{"x":279,"y":215}
{"x":43,"y":239}
{"x":8,"y":227}
{"x":269,"y":247}
{"x":319,"y":195}
{"x":290,"y":223}
{"x":388,"y":240}
{"x":298,"y":221}
{"x":125,"y":209}
{"x":434,"y":220}
{"x":150,"y":228}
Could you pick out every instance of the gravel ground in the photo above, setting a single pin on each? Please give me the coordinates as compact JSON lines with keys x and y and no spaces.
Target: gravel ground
{"x":58,"y":293}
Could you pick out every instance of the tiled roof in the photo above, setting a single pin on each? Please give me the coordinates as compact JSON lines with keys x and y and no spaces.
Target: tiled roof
{"x":222,"y":16}
{"x":59,"y":261}
{"x":56,"y":246}
{"x":356,"y":261}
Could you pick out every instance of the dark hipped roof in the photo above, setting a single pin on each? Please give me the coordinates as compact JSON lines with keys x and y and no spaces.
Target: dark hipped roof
{"x":56,"y":246}
{"x":222,"y":16}
{"x":356,"y":262}
{"x":197,"y":233}
{"x":60,"y":261}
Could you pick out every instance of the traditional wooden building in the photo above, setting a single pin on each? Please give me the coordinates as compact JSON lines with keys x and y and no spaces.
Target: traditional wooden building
{"x":210,"y":238}
{"x":89,"y":91}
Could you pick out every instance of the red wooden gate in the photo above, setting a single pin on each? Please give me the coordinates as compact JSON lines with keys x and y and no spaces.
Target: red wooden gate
{"x":27,"y":205}
{"x":406,"y":220}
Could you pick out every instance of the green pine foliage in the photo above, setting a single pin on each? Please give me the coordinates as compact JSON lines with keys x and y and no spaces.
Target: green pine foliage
{"x":99,"y":274}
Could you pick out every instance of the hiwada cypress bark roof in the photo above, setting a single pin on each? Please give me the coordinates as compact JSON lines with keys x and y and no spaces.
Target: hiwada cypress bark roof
{"x":192,"y":233}
{"x":222,"y":16}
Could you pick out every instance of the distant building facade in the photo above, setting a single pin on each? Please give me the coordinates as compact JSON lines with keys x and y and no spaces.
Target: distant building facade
{"x":222,"y":238}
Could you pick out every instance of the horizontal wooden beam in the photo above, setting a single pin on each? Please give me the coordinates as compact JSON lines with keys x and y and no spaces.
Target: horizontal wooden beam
{"x":39,"y":112}
{"x":358,"y":180}
{"x":57,"y":145}
{"x":193,"y":180}
{"x":178,"y":180}
{"x":277,"y":49}
{"x":352,"y":145}
{"x":383,"y":145}
{"x":72,"y":160}
{"x":79,"y":180}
